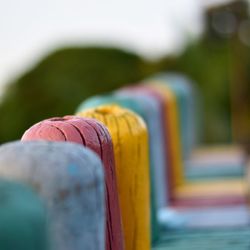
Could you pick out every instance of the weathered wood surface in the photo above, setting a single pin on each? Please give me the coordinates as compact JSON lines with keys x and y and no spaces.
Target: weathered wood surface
{"x":129,"y":135}
{"x":150,"y":111}
{"x":147,"y":111}
{"x":69,"y":178}
{"x":164,"y":131}
{"x":94,"y":135}
{"x":22,"y":218}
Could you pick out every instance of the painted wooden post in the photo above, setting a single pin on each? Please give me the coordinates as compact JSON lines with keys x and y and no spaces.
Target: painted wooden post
{"x":148,"y":112}
{"x":172,"y":130}
{"x":189,"y":115}
{"x":129,"y":135}
{"x":186,"y":99}
{"x":22,"y":218}
{"x":69,"y":178}
{"x":153,"y":117}
{"x":204,"y":193}
{"x":164,"y":131}
{"x":157,"y":124}
{"x":94,"y":135}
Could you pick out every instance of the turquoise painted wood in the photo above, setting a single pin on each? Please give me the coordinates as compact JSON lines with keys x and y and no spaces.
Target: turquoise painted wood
{"x":22,"y":218}
{"x":69,"y":179}
{"x":186,"y":95}
{"x":146,"y":111}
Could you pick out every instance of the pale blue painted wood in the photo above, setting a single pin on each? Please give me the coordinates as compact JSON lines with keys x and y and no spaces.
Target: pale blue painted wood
{"x":152,"y":116}
{"x":186,"y":95}
{"x":69,"y":179}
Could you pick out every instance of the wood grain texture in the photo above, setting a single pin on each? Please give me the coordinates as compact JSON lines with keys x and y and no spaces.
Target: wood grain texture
{"x":129,"y":135}
{"x":22,"y":218}
{"x":164,"y":131}
{"x":70,"y":181}
{"x":147,"y":111}
{"x":151,"y":112}
{"x":94,"y":135}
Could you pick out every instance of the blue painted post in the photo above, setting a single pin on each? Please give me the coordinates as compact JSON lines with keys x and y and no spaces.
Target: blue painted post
{"x":186,"y":95}
{"x":69,"y":178}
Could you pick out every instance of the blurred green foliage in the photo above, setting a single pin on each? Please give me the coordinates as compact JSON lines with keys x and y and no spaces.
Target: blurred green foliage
{"x":206,"y":63}
{"x":61,"y":81}
{"x":219,"y":64}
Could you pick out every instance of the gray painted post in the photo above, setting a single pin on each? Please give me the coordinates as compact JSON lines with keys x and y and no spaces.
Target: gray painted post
{"x":69,"y":178}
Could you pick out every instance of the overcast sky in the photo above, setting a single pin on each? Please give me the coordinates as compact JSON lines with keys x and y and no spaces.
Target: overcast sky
{"x":29,"y":29}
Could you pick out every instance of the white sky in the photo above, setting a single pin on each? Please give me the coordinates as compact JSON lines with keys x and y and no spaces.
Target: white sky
{"x":29,"y":29}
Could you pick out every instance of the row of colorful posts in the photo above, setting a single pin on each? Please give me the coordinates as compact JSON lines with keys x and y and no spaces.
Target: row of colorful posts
{"x":120,"y":174}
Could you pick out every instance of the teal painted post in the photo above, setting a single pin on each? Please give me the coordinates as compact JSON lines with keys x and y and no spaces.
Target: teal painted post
{"x":186,"y":95}
{"x":23,"y":224}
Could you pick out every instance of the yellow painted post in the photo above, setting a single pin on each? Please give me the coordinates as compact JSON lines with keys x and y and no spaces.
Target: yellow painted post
{"x":173,"y":125}
{"x":130,"y":140}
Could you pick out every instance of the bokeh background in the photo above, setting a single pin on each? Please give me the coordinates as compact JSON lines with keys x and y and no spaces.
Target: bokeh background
{"x":54,"y":54}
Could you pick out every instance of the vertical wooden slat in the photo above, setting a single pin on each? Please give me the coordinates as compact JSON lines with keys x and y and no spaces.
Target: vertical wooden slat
{"x":172,"y":127}
{"x":129,"y":135}
{"x":152,"y":115}
{"x":186,"y":99}
{"x":164,"y":133}
{"x":146,"y":110}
